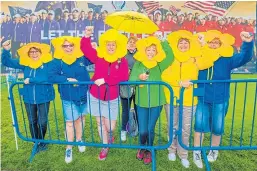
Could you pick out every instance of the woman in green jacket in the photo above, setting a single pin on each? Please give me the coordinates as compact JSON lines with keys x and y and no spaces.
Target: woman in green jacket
{"x":152,"y":58}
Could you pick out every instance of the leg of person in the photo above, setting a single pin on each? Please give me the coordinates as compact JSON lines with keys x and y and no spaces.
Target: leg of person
{"x":43,"y":110}
{"x":103,"y":136}
{"x":167,"y":111}
{"x":186,"y":127}
{"x":142,"y":125}
{"x":219,"y":113}
{"x":110,"y":127}
{"x":80,"y":124}
{"x":125,"y":103}
{"x":202,"y":125}
{"x":173,"y":148}
{"x":135,"y":106}
{"x":31,"y":110}
{"x":69,"y":111}
{"x":153,"y":117}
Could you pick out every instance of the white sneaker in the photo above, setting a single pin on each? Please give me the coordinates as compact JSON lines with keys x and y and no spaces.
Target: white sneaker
{"x":185,"y":163}
{"x":172,"y":156}
{"x":81,"y":148}
{"x":197,"y":158}
{"x":213,"y":155}
{"x":68,"y":155}
{"x":123,"y":135}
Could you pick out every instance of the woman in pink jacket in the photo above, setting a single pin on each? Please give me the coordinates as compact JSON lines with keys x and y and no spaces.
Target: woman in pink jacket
{"x":111,"y":68}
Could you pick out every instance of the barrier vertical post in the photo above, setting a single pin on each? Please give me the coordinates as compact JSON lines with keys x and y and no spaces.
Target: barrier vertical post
{"x":8,"y":88}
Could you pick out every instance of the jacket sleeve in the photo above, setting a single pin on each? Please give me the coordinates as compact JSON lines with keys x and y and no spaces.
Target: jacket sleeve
{"x":8,"y":62}
{"x":121,"y":75}
{"x":89,"y":52}
{"x":169,"y":56}
{"x":55,"y":75}
{"x":166,"y":77}
{"x":243,"y":57}
{"x":135,"y":72}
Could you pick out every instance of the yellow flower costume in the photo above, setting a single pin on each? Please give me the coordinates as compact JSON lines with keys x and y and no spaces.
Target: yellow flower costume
{"x":27,"y":61}
{"x":121,"y":45}
{"x":59,"y":53}
{"x":141,"y":55}
{"x":185,"y":66}
{"x":225,"y":50}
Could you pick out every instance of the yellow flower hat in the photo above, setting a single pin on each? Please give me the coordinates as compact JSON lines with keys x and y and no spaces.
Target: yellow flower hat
{"x":141,"y":56}
{"x":225,"y":50}
{"x":59,"y":52}
{"x":27,"y":61}
{"x":194,"y":49}
{"x":121,"y":43}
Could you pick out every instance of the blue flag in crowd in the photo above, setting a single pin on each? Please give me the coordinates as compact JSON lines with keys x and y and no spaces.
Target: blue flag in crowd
{"x":96,"y":8}
{"x":19,"y":10}
{"x":53,"y":5}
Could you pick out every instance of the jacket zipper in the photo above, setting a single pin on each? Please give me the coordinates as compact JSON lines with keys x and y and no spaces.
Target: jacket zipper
{"x":106,"y":85}
{"x":35,"y":87}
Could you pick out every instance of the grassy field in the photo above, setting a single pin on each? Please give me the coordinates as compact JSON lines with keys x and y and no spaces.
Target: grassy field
{"x":124,"y":159}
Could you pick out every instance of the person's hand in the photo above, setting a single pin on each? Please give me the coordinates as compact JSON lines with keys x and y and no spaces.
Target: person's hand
{"x":88,"y":31}
{"x":7,"y":45}
{"x":94,"y":45}
{"x":185,"y":83}
{"x":201,"y":39}
{"x":21,"y":44}
{"x":1,"y":39}
{"x":26,"y":81}
{"x":143,"y":76}
{"x":159,"y":36}
{"x":246,"y":36}
{"x":99,"y":81}
{"x":72,"y":80}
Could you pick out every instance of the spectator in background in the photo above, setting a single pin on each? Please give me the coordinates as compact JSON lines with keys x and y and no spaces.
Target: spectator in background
{"x":238,"y":28}
{"x":96,"y":16}
{"x":76,"y":24}
{"x":221,"y":25}
{"x":209,"y":22}
{"x":189,"y":24}
{"x":43,"y":20}
{"x":201,"y":24}
{"x":51,"y":25}
{"x":196,"y":16}
{"x":249,"y":26}
{"x":126,"y":102}
{"x":6,"y":27}
{"x":27,"y":17}
{"x":181,"y":18}
{"x":33,"y":33}
{"x":158,"y":17}
{"x":100,"y":26}
{"x":64,"y":21}
{"x":18,"y":35}
{"x":89,"y":21}
{"x":70,"y":16}
{"x":82,"y":16}
{"x":167,"y":25}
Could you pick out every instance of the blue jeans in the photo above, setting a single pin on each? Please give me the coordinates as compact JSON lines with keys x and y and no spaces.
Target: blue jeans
{"x":126,"y":104}
{"x":38,"y":117}
{"x":147,"y":118}
{"x":210,"y":117}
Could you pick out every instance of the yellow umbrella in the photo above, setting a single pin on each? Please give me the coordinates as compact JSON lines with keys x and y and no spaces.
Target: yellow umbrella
{"x":132,"y":22}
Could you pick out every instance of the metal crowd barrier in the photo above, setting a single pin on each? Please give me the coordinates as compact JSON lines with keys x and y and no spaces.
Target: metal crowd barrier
{"x":240,"y":131}
{"x":56,"y":122}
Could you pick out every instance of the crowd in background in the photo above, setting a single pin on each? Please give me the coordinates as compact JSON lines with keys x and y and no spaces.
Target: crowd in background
{"x":28,"y":28}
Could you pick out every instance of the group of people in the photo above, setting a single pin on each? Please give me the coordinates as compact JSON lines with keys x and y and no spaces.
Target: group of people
{"x":178,"y":60}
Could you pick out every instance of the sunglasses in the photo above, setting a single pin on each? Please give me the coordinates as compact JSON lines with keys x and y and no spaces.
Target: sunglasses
{"x":66,"y":46}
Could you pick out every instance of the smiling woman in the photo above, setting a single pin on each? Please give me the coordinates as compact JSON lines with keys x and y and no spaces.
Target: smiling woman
{"x":34,"y":61}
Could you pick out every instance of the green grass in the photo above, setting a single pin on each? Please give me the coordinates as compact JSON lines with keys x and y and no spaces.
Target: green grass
{"x":124,"y":159}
